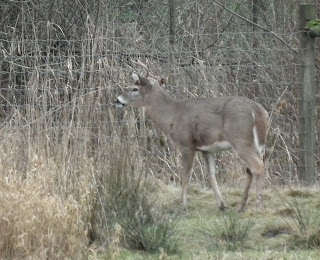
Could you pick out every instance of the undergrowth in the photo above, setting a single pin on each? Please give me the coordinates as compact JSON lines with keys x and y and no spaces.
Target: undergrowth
{"x":129,"y":201}
{"x":231,"y":231}
{"x":305,"y":224}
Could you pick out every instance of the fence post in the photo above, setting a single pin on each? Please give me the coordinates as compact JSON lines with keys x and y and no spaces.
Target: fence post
{"x":172,"y":36}
{"x":307,"y":173}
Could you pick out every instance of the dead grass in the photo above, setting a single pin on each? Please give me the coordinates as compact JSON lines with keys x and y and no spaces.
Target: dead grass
{"x":45,"y":206}
{"x":301,"y":192}
{"x":36,"y":224}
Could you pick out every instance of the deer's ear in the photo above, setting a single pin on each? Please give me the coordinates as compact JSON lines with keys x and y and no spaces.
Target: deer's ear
{"x":144,"y":82}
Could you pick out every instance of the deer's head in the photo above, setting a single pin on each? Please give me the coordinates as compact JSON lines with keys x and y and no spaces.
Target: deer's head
{"x":140,"y":93}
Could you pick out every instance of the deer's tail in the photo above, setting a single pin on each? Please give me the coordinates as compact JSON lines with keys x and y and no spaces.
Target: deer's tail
{"x":260,"y":128}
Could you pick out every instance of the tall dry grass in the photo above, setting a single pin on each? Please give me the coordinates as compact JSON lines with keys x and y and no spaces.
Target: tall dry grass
{"x":59,"y":138}
{"x":68,"y":158}
{"x":37,"y":224}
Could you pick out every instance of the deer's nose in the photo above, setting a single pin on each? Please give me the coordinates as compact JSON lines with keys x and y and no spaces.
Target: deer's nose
{"x":119,"y":103}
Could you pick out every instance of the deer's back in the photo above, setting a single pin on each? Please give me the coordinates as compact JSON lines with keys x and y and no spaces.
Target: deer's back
{"x":202,"y":122}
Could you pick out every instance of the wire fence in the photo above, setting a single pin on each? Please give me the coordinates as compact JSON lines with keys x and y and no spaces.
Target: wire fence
{"x":49,"y":87}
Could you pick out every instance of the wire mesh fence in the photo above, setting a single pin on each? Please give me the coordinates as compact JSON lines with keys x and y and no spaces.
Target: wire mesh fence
{"x":64,"y":94}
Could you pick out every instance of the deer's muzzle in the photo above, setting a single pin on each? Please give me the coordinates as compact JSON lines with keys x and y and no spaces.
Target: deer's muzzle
{"x":119,"y":102}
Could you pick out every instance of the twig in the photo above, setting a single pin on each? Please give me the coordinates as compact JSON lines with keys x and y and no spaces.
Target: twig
{"x":257,"y":25}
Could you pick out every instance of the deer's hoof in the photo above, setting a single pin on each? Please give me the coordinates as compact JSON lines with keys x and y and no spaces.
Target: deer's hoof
{"x":222,"y":207}
{"x":242,"y":209}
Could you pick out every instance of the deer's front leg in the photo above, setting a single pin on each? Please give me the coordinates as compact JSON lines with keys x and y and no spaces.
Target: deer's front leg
{"x":187,"y":163}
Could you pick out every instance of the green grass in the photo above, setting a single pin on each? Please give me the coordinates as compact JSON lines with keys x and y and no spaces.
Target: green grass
{"x":207,"y":233}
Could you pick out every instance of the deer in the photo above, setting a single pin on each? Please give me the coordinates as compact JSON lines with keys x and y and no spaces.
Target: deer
{"x":208,"y":126}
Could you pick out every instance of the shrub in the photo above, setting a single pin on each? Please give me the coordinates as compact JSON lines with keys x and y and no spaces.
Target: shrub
{"x":129,"y":201}
{"x":305,"y":224}
{"x":231,"y":232}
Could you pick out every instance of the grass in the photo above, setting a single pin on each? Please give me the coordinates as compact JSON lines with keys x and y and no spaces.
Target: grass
{"x":143,"y":220}
{"x":207,"y":233}
{"x":36,"y":224}
{"x":230,"y":231}
{"x":116,"y":211}
{"x":305,"y":223}
{"x":130,"y":204}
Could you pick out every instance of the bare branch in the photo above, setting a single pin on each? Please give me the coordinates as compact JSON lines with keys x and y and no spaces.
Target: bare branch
{"x":255,"y":24}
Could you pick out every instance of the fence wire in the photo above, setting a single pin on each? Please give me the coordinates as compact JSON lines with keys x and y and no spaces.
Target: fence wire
{"x":47,"y":90}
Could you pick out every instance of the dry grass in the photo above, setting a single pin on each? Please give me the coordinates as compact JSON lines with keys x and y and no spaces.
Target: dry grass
{"x":38,"y":224}
{"x":56,"y":202}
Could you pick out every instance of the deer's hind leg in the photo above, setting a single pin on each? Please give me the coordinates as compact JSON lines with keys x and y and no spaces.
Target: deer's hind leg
{"x":255,"y":168}
{"x":247,"y":189}
{"x":210,"y":160}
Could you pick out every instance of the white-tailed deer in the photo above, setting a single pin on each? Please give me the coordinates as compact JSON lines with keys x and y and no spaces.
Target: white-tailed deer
{"x":207,"y":126}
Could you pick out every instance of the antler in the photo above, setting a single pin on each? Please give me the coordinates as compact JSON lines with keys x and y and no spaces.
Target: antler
{"x":144,"y":66}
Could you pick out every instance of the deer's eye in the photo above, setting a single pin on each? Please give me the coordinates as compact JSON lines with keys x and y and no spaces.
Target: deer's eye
{"x":135,"y":89}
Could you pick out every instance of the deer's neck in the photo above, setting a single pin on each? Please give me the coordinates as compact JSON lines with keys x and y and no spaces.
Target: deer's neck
{"x":163,"y":110}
